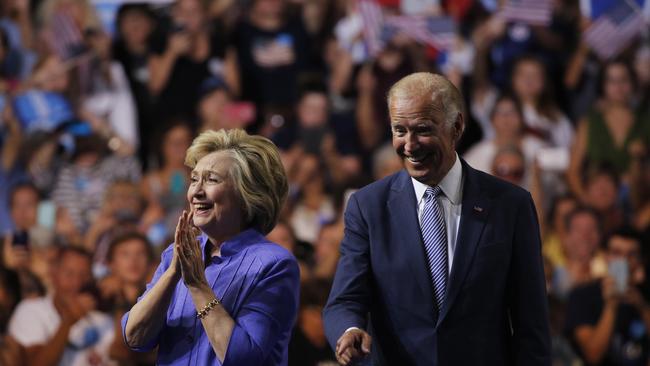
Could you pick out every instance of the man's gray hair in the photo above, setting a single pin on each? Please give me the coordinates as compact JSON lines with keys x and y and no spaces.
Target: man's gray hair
{"x":445,"y":97}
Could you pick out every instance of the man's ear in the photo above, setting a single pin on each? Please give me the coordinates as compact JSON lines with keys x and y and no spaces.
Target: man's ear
{"x":459,"y":127}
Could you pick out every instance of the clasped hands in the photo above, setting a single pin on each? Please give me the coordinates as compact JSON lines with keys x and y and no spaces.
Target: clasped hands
{"x":188,"y":259}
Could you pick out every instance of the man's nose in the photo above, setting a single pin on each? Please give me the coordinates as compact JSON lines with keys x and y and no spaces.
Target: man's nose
{"x":411,"y":142}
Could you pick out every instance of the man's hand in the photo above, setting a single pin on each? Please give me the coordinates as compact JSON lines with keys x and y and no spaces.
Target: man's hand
{"x":353,"y":345}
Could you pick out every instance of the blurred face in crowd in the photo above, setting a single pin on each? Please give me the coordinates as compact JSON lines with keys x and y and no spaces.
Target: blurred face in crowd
{"x":124,"y":201}
{"x":135,"y":27}
{"x":423,"y":138}
{"x":620,"y":247}
{"x":24,"y":207}
{"x":312,"y":110}
{"x":601,"y":192}
{"x":528,"y":80}
{"x":269,"y":8}
{"x":213,"y":105}
{"x":563,"y":207}
{"x":582,"y":237}
{"x":506,"y":120}
{"x":307,"y":170}
{"x":327,"y":245}
{"x":52,"y":75}
{"x":130,"y":261}
{"x":618,"y":86}
{"x":509,"y":166}
{"x":212,"y":195}
{"x":281,"y":234}
{"x":190,"y":14}
{"x":641,"y":65}
{"x":176,"y":141}
{"x":71,"y":274}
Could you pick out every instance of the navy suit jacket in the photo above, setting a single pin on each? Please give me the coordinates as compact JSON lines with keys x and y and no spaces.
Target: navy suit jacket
{"x":495,"y":311}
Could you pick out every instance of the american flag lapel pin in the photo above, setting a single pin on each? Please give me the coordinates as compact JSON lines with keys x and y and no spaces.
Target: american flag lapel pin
{"x":478,"y":209}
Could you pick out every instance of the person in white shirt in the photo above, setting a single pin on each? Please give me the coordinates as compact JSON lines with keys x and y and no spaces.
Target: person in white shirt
{"x":63,"y":328}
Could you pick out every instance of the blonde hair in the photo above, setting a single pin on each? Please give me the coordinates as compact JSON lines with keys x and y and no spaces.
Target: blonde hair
{"x":257,"y":172}
{"x":445,"y":97}
{"x":48,"y":8}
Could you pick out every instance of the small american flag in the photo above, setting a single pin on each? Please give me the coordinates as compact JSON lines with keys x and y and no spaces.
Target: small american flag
{"x":437,"y":32}
{"x":66,"y":38}
{"x":614,"y":29}
{"x":533,"y":12}
{"x":372,"y":18}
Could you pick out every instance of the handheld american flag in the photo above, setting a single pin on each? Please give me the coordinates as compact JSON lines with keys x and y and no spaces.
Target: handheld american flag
{"x":614,"y":29}
{"x":533,"y":12}
{"x":437,"y":32}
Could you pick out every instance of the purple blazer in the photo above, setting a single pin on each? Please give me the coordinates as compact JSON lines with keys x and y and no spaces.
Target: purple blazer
{"x":257,"y":282}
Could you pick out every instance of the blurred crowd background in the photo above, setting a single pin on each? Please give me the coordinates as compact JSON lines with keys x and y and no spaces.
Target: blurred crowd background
{"x":97,"y":108}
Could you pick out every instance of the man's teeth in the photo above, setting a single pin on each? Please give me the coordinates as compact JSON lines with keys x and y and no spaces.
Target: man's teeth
{"x":415,"y":159}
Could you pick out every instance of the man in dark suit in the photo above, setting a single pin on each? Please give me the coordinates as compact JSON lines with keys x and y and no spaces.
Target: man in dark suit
{"x":440,"y":263}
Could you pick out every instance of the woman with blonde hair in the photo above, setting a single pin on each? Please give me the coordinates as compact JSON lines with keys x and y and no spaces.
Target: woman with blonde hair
{"x":238,"y":297}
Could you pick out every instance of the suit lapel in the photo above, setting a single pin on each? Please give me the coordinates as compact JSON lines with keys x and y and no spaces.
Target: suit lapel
{"x":474,"y":212}
{"x":403,"y":214}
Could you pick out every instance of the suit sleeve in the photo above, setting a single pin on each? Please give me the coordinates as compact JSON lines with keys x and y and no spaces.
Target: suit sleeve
{"x":528,"y":303}
{"x":349,"y":299}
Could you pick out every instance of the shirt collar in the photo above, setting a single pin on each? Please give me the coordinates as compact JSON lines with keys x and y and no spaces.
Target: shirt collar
{"x":450,"y":185}
{"x":236,"y":243}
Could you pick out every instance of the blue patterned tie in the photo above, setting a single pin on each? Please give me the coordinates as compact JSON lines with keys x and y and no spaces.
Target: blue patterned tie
{"x":434,"y":235}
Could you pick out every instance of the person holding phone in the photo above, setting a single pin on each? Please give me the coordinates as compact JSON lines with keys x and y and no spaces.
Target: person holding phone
{"x":608,"y":319}
{"x":192,"y":50}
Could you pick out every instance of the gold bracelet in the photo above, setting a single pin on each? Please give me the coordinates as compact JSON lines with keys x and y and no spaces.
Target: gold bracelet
{"x":206,"y":309}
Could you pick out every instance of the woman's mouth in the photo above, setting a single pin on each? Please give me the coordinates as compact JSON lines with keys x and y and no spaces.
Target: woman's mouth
{"x":201,"y":208}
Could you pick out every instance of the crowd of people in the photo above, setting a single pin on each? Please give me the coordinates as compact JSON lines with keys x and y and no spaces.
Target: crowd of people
{"x":94,"y":128}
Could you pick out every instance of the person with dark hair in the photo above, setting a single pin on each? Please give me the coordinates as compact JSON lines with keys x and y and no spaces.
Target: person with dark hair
{"x":608,"y":319}
{"x":608,"y":132}
{"x":136,"y":23}
{"x":509,"y":129}
{"x":10,"y":296}
{"x":130,"y":256}
{"x":272,"y":49}
{"x":581,"y":262}
{"x":164,"y":188}
{"x":308,"y":345}
{"x":190,"y":50}
{"x":63,"y":328}
{"x":542,"y":116}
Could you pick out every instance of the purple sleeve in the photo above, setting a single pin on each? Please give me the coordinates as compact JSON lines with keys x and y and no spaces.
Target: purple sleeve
{"x":162,"y":267}
{"x":267,"y":315}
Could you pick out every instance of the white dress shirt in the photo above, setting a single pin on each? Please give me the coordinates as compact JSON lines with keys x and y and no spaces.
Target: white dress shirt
{"x":451,"y":200}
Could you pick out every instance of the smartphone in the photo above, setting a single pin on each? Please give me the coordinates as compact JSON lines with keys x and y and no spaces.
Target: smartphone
{"x":618,"y":270}
{"x":21,"y":239}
